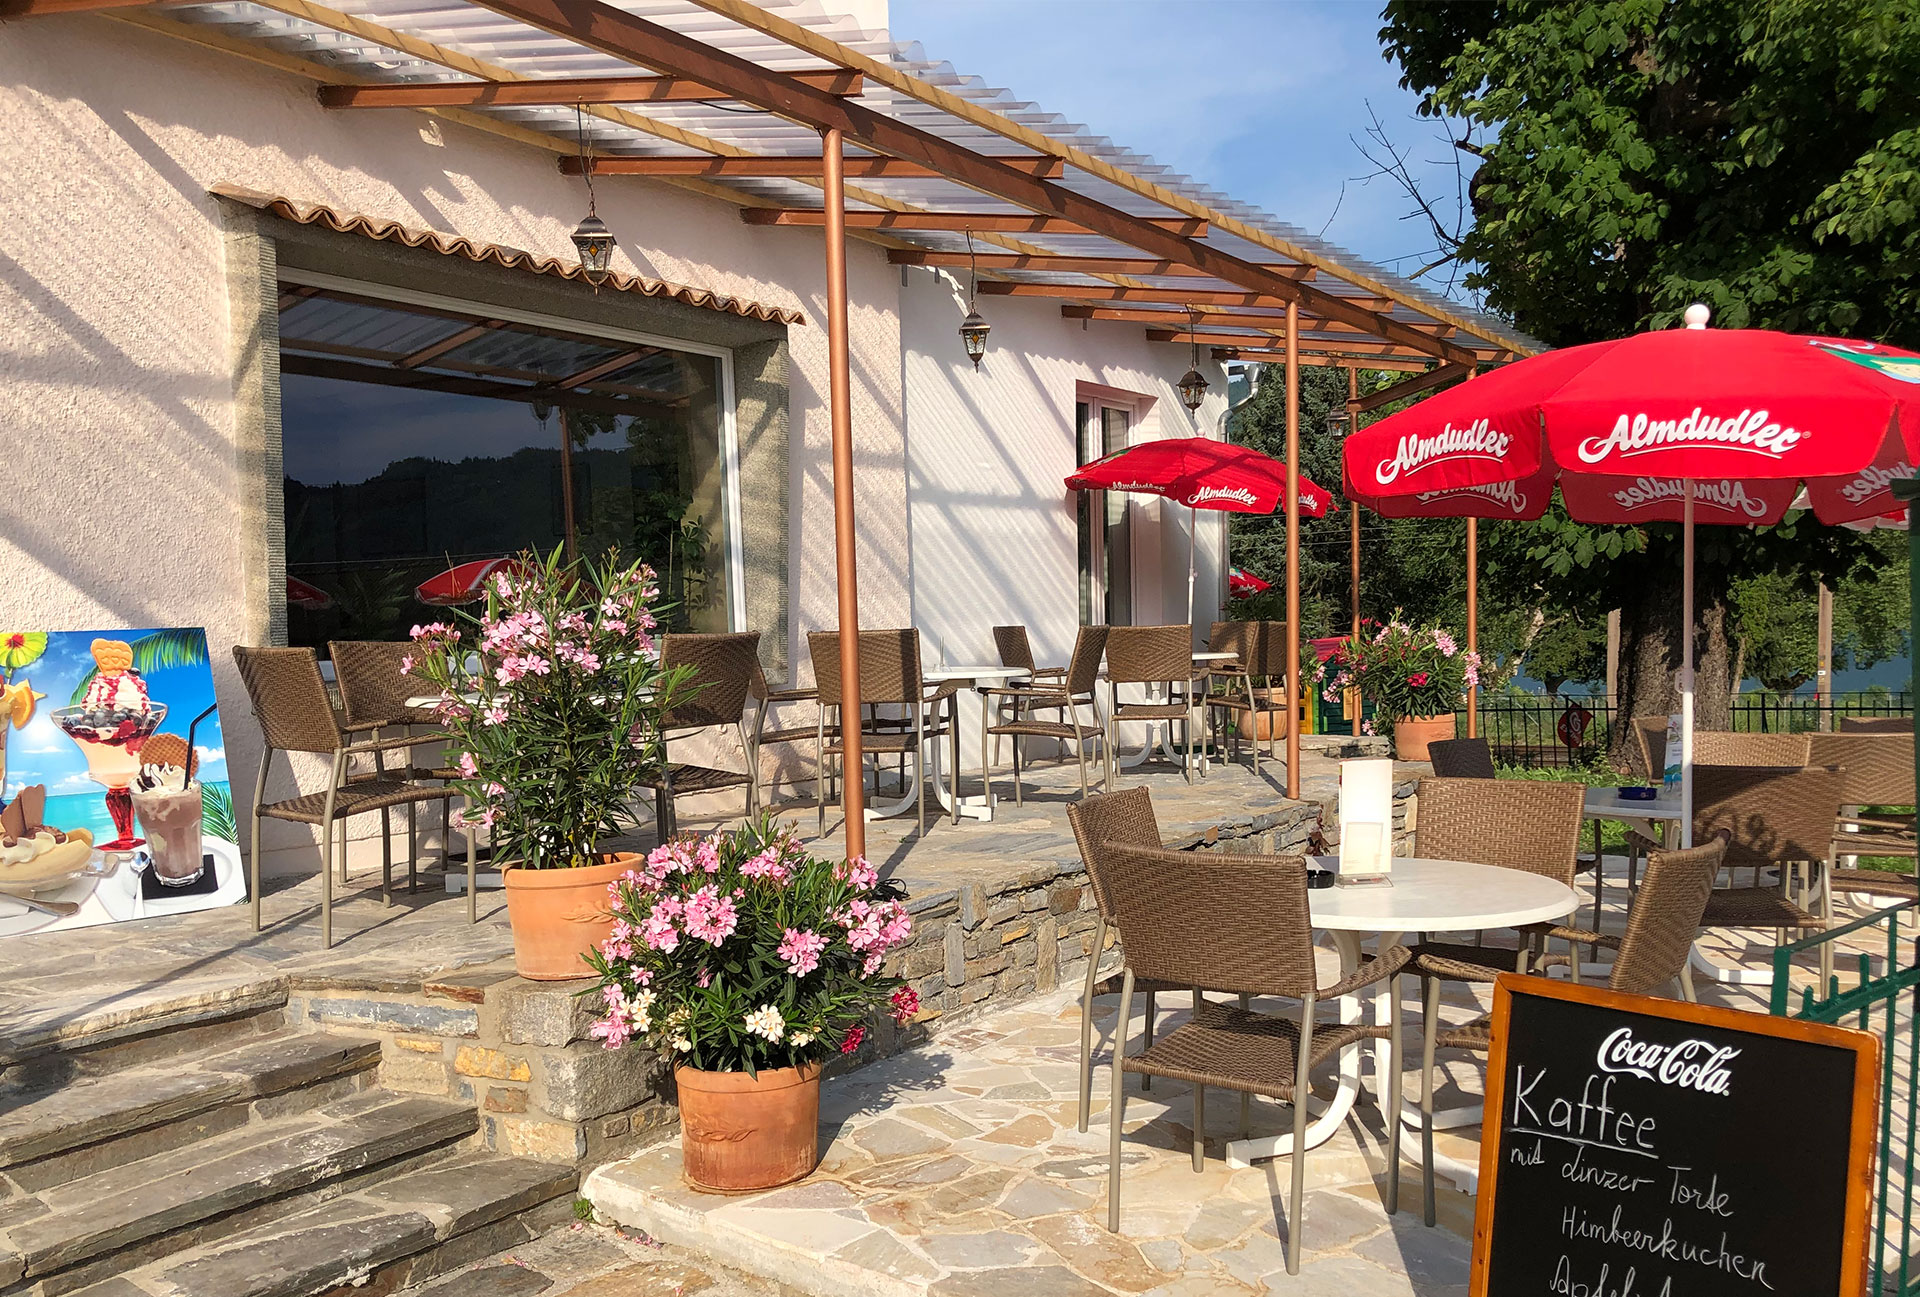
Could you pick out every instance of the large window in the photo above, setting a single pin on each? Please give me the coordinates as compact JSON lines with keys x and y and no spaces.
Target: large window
{"x":420,"y":441}
{"x":1105,"y":520}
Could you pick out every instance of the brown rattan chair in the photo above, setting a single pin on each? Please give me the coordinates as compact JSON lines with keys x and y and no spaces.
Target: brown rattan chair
{"x":1159,"y":658}
{"x":1066,"y":696}
{"x":1253,"y":685}
{"x":715,"y":698}
{"x":765,"y":699}
{"x":1775,"y":819}
{"x":1650,"y":736}
{"x":1876,"y":725}
{"x":290,"y":701}
{"x":1240,"y":925}
{"x":1877,"y":771}
{"x":889,"y":676}
{"x":1011,"y":643}
{"x":1462,"y":759}
{"x":1651,"y":957}
{"x":1750,"y":748}
{"x":373,"y":696}
{"x":1125,"y":818}
{"x":1509,"y":823}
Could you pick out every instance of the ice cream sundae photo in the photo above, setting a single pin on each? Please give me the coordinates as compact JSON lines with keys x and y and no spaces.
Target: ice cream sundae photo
{"x":111,"y":725}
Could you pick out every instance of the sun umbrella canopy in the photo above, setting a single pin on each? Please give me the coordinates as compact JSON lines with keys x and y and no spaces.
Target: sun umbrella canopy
{"x":1243,"y":584}
{"x":462,"y":584}
{"x":1523,"y":500}
{"x":1201,"y":474}
{"x":302,"y":595}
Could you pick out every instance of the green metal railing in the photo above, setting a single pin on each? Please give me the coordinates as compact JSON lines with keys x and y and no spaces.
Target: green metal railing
{"x":1878,"y":1002}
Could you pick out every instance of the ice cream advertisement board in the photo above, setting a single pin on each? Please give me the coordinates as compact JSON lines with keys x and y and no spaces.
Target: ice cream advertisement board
{"x":114,"y":794}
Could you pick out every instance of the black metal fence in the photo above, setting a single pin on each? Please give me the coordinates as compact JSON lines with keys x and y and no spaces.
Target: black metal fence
{"x":1541,"y":732}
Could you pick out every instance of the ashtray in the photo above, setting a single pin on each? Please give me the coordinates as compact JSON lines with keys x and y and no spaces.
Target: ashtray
{"x":1320,"y":878}
{"x":1638,"y":793}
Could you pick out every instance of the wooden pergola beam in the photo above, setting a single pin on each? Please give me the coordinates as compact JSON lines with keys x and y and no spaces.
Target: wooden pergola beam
{"x":599,"y":26}
{"x":458,"y":338}
{"x":1334,"y":346}
{"x":1077,"y":265}
{"x":43,"y":8}
{"x":550,"y":92}
{"x":1210,"y":316}
{"x":612,"y":364}
{"x":1410,"y":387}
{"x":1180,"y":297}
{"x":1313,"y":359}
{"x":777,"y":168}
{"x":954,"y":222}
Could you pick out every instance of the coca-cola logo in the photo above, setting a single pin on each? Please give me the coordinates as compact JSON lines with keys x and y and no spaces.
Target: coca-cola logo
{"x":1236,"y":494}
{"x":1753,"y":431}
{"x":1475,"y":441}
{"x":1502,"y":493}
{"x":1689,"y":1065}
{"x":1873,"y":481}
{"x":1645,"y":492}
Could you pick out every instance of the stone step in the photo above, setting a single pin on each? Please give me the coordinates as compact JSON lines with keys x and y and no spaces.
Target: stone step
{"x":132,"y":1026}
{"x":191,"y":1191}
{"x":400,"y":1231}
{"x":54,"y":1131}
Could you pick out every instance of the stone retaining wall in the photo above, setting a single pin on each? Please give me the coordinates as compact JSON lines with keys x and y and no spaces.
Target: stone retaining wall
{"x":520,"y":1053}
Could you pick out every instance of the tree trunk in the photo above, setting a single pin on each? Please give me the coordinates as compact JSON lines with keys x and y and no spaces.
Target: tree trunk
{"x":1650,"y":660}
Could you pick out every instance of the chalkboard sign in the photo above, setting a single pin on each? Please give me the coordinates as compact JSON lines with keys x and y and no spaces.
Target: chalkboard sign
{"x":1636,"y":1147}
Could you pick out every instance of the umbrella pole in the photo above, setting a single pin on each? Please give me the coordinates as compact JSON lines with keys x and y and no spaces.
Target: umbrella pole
{"x":1686,"y":666}
{"x":1293,"y":550}
{"x":1473,"y":620}
{"x":1193,"y":542}
{"x":840,"y":396}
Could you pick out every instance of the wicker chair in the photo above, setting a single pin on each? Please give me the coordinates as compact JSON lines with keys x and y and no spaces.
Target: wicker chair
{"x":1250,"y":682}
{"x":1462,"y":759}
{"x":1236,"y":924}
{"x":1651,"y":956}
{"x":1159,"y":657}
{"x":1011,"y":643}
{"x":1066,"y":695}
{"x":889,"y":676}
{"x":1876,"y":724}
{"x":290,"y":701}
{"x":1742,"y":748}
{"x":716,"y":698}
{"x":1124,"y":818}
{"x":1775,"y":818}
{"x":1649,"y":736}
{"x":373,"y":696}
{"x":1509,"y":823}
{"x":1877,"y":770}
{"x":765,"y":699}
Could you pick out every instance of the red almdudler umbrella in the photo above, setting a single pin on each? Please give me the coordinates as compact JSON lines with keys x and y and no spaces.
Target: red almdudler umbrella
{"x":462,"y":584}
{"x":1202,"y":474}
{"x":1242,"y":584}
{"x":1685,"y":424}
{"x":302,"y":595}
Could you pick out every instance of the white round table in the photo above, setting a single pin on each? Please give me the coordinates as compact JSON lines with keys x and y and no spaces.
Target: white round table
{"x":1426,"y":896}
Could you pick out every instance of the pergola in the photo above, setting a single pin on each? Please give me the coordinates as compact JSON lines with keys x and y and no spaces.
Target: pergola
{"x":803,"y":120}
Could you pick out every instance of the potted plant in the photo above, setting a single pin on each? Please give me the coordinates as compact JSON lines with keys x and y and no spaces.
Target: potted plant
{"x":554,"y":709}
{"x":1416,"y":675}
{"x":748,"y":964}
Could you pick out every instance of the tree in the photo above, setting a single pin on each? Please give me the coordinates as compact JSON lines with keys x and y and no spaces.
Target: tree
{"x":1638,"y":155}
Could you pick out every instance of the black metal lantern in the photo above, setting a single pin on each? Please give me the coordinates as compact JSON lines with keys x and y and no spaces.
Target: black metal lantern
{"x":1193,"y":384}
{"x":1338,"y":421}
{"x":1193,"y":389}
{"x":973,"y":329}
{"x":592,"y":237}
{"x":973,"y":335}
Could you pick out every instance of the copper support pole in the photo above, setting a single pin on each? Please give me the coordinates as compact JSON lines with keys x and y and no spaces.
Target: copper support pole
{"x":1294,"y":690}
{"x":1473,"y":619}
{"x":1353,"y":532}
{"x":840,"y":386}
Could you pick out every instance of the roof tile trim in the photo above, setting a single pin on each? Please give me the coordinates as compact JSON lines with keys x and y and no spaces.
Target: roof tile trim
{"x":455,"y":245}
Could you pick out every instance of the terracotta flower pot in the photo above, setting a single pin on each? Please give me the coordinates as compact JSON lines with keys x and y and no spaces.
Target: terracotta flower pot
{"x":1411,"y":734}
{"x":1262,"y":726}
{"x":558,"y":915}
{"x":739,"y":1133}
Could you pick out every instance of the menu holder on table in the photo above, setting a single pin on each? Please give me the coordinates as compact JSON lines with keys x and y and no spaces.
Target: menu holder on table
{"x":1366,"y":823}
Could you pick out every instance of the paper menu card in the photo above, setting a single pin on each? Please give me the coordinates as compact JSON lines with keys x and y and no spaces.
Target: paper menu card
{"x":1366,"y":818}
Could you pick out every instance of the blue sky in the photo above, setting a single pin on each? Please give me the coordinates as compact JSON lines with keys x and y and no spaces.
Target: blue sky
{"x":1262,"y":99}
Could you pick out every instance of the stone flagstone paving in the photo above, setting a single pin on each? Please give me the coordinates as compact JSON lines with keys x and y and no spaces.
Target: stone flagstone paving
{"x":955,"y":1171}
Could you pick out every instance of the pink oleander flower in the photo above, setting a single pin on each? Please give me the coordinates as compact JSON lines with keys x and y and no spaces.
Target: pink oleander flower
{"x":851,"y":1041}
{"x":801,"y":949}
{"x":1417,"y":679}
{"x":479,"y":818}
{"x":468,"y":767}
{"x":706,"y":857}
{"x":768,"y":864}
{"x":906,"y":1003}
{"x":1445,"y":643}
{"x":657,"y":930}
{"x":857,"y":874}
{"x":710,"y":916}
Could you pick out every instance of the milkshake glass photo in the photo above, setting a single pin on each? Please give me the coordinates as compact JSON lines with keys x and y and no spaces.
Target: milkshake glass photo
{"x":169,"y":805}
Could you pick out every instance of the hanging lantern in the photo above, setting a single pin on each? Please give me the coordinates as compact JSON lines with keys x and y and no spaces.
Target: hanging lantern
{"x":973,"y":335}
{"x":592,"y":237}
{"x":1193,"y":389}
{"x":1338,"y":421}
{"x":595,"y":242}
{"x":973,"y":329}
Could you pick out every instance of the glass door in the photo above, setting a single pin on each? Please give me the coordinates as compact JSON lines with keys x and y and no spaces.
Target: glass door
{"x":1105,"y":518}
